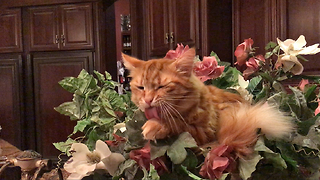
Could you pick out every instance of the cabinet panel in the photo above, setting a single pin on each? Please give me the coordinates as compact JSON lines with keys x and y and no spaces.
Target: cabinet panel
{"x":303,"y":18}
{"x":44,"y":28}
{"x":49,"y":69}
{"x":65,"y":27}
{"x":184,"y":24}
{"x":168,"y":23}
{"x":10,"y":95}
{"x":253,"y":20}
{"x":10,"y":31}
{"x":77,"y":26}
{"x":158,"y":27}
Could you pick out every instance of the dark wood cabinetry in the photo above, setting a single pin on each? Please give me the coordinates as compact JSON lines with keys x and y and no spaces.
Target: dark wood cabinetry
{"x":62,"y":27}
{"x":168,"y":23}
{"x":10,"y":31}
{"x":58,"y":39}
{"x":48,"y":70}
{"x":271,"y":19}
{"x":11,"y":102}
{"x":158,"y":26}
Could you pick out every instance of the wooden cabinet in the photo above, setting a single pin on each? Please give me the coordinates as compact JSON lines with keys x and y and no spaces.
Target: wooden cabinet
{"x":170,"y":22}
{"x":158,"y":26}
{"x":11,"y":98}
{"x":272,"y":19}
{"x":48,"y":70}
{"x":64,"y":27}
{"x":10,"y":31}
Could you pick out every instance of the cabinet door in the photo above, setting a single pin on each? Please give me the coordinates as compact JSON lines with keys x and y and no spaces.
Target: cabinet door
{"x":49,"y":69}
{"x":157,"y":26}
{"x":10,"y":95}
{"x":184,"y":22}
{"x":43,"y":28}
{"x":10,"y":31}
{"x":77,"y":26}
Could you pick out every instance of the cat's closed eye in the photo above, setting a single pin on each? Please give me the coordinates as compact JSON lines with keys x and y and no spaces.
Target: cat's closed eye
{"x":159,"y":87}
{"x":140,"y":87}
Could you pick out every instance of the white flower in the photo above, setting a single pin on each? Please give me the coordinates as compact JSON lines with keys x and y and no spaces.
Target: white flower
{"x":83,"y":162}
{"x":241,"y":89}
{"x":243,"y":83}
{"x":120,"y":126}
{"x":291,"y":48}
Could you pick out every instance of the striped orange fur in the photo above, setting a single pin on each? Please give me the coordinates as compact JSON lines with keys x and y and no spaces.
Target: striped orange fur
{"x":175,"y":101}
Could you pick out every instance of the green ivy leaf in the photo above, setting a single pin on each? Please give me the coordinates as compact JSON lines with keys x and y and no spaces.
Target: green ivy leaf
{"x":247,"y":167}
{"x":190,"y":174}
{"x":302,"y":58}
{"x":65,"y":146}
{"x":270,"y":45}
{"x":153,"y":174}
{"x":274,"y":158}
{"x":134,"y":131}
{"x":81,"y":126}
{"x":216,"y":56}
{"x":303,"y":112}
{"x":304,"y":126}
{"x":158,"y":151}
{"x":69,"y":83}
{"x":253,"y":83}
{"x":69,"y":109}
{"x":191,"y":160}
{"x":127,"y":164}
{"x":177,"y":151}
{"x":100,"y":76}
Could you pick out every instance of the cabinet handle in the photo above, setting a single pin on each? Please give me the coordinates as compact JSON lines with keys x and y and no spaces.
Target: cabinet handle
{"x":57,"y":39}
{"x":172,"y":37}
{"x":166,"y":38}
{"x":63,"y":39}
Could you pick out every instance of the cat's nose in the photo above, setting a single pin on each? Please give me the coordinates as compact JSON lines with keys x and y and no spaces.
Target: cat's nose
{"x":148,"y":101}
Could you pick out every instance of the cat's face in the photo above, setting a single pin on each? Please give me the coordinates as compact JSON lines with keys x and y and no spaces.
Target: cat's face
{"x":161,"y":87}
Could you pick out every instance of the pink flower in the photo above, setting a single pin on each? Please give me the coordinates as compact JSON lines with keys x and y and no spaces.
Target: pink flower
{"x":317,"y":111}
{"x":117,"y":141}
{"x":143,"y":158}
{"x":302,"y":84}
{"x":242,"y":51}
{"x":174,"y":54}
{"x":218,"y":160}
{"x":252,"y":66}
{"x":208,"y":68}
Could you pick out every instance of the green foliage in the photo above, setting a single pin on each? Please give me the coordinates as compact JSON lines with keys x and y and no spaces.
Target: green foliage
{"x":94,"y":106}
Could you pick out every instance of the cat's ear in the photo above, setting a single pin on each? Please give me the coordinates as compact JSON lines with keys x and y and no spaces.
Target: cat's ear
{"x":130,"y":62}
{"x":184,"y":64}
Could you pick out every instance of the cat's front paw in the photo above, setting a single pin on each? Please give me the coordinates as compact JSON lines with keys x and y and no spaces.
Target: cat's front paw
{"x":153,"y":129}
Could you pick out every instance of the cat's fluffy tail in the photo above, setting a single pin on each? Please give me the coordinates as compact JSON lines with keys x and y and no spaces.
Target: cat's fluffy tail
{"x":239,"y":128}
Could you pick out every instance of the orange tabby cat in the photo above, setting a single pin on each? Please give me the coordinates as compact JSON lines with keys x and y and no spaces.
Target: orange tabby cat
{"x":175,"y":100}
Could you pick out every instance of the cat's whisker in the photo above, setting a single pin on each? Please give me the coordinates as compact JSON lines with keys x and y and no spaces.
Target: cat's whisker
{"x":170,"y":105}
{"x":183,"y":97}
{"x":170,"y":119}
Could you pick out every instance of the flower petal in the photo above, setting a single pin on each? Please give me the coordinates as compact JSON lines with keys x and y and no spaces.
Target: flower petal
{"x":317,"y":111}
{"x":75,"y":176}
{"x":303,"y":83}
{"x":300,"y":43}
{"x":85,"y":168}
{"x":80,"y":151}
{"x":220,"y":162}
{"x":69,"y":165}
{"x":243,"y":83}
{"x":310,"y":50}
{"x":103,"y":149}
{"x":112,"y":162}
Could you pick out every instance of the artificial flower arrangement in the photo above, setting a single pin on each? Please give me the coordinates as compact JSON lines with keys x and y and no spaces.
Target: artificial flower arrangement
{"x":112,"y":146}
